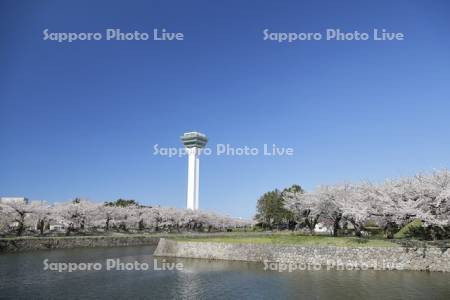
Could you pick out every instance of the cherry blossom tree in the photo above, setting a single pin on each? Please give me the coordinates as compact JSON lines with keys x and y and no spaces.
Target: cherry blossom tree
{"x":78,"y":215}
{"x":391,"y":204}
{"x":305,"y":206}
{"x":82,"y":216}
{"x":39,"y":215}
{"x":6,"y":218}
{"x":16,"y":212}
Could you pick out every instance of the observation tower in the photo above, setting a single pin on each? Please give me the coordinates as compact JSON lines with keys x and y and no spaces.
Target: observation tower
{"x":194,"y":142}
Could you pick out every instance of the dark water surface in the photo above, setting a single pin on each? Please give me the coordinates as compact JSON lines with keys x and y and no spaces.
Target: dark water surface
{"x":22,"y":277}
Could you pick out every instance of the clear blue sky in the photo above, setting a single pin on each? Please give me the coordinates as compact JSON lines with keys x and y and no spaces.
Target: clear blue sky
{"x":81,"y":119}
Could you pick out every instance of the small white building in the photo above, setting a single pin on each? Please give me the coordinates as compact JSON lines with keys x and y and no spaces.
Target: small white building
{"x":5,"y":200}
{"x":56,"y":227}
{"x":321,"y":228}
{"x":40,"y":202}
{"x":14,"y":224}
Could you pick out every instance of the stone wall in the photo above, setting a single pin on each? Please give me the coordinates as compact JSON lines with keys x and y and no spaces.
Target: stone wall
{"x":301,"y":257}
{"x":27,"y":244}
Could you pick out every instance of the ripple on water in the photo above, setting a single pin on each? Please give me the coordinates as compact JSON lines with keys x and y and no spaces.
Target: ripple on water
{"x":22,"y":277}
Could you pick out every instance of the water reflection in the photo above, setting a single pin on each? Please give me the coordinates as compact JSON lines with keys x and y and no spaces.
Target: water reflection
{"x":22,"y":277}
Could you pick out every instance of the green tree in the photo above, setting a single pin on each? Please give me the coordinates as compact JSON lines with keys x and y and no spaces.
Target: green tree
{"x":295,"y":188}
{"x":122,"y":203}
{"x":270,"y":209}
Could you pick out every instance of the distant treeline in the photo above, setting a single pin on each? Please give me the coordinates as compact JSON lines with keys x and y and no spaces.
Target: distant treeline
{"x":82,"y":217}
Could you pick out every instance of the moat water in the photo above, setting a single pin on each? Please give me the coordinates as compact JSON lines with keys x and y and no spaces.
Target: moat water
{"x":22,"y":276}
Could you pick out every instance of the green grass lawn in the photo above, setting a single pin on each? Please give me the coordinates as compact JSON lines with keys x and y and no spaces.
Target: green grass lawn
{"x":294,"y":239}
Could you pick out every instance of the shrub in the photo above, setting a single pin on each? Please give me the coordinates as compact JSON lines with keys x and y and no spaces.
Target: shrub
{"x":374,"y":231}
{"x":412,"y":229}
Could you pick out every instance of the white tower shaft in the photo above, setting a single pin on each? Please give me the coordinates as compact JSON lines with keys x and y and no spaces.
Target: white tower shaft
{"x":193,"y":178}
{"x":194,"y":143}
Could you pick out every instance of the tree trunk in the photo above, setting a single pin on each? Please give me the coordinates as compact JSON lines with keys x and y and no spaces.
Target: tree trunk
{"x":20,"y":229}
{"x":336,"y":226}
{"x":388,"y":231}
{"x":69,"y":229}
{"x":432,"y":233}
{"x":41,"y":226}
{"x":21,"y":221}
{"x":357,"y":229}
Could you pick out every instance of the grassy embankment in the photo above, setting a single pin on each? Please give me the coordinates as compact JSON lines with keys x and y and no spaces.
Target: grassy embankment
{"x":280,"y":238}
{"x":293,"y":239}
{"x":249,"y":238}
